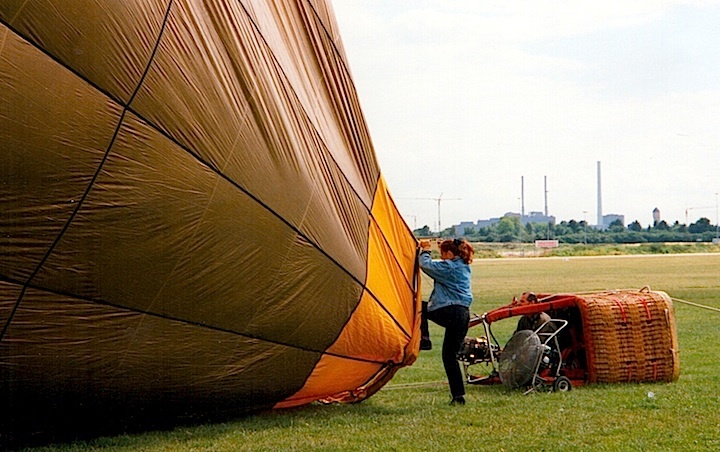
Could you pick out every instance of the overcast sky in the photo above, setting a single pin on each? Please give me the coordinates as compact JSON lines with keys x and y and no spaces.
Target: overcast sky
{"x":463,"y":97}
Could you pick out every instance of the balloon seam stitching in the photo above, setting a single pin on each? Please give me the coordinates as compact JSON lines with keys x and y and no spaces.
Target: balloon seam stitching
{"x":92,"y":181}
{"x":370,"y":214}
{"x":185,"y":321}
{"x":128,"y":108}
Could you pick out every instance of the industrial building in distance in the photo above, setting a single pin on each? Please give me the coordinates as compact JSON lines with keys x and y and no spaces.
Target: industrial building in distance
{"x":532,"y":217}
{"x":603,"y":221}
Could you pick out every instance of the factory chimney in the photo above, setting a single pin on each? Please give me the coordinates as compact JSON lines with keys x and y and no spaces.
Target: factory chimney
{"x":599,"y":198}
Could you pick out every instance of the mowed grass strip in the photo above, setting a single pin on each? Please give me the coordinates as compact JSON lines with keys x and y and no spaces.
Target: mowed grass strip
{"x":411,"y":413}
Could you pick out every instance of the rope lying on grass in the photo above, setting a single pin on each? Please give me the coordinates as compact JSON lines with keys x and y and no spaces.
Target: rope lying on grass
{"x":416,"y":385}
{"x":695,"y":304}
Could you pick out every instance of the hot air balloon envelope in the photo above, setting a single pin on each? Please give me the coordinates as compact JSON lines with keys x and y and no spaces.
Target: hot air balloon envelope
{"x":192,"y":218}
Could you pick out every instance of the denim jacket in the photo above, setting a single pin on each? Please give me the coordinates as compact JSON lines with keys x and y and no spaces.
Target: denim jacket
{"x":452,"y":281}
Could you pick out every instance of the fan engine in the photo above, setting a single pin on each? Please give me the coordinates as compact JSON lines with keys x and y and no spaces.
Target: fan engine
{"x":476,"y":350}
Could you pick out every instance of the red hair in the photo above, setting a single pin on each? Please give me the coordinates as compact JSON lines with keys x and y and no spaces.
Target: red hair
{"x":459,"y":247}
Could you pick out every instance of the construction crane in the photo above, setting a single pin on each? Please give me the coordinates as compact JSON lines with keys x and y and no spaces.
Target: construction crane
{"x":695,"y":208}
{"x":717,"y":222}
{"x":439,"y":201}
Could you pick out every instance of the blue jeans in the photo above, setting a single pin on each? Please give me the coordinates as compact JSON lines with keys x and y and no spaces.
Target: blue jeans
{"x":454,"y":319}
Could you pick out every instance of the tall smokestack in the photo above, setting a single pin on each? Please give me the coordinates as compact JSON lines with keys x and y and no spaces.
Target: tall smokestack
{"x":599,"y":199}
{"x":546,"y":209}
{"x":522,"y":197}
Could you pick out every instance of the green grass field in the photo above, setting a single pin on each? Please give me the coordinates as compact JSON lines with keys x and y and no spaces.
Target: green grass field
{"x":411,"y":413}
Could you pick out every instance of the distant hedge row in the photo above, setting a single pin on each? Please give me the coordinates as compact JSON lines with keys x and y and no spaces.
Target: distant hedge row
{"x":510,"y":229}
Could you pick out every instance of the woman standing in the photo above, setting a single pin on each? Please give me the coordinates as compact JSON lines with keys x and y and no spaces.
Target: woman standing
{"x":449,"y":305}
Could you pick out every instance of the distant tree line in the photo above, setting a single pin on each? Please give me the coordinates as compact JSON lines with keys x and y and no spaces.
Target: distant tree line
{"x":511,"y":229}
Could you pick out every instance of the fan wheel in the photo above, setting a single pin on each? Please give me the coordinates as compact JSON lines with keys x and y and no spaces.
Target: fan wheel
{"x":562,"y":384}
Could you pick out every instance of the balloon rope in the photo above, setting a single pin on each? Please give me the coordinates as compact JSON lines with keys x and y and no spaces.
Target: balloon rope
{"x":697,"y":305}
{"x":416,"y":385}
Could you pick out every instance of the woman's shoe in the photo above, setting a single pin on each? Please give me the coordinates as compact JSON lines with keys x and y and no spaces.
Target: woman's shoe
{"x":459,"y":400}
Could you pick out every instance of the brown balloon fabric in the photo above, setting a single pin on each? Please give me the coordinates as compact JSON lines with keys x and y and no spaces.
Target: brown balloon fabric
{"x":192,"y":218}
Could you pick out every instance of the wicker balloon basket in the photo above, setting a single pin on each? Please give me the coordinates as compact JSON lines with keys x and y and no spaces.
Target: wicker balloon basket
{"x":610,"y":337}
{"x":629,"y":336}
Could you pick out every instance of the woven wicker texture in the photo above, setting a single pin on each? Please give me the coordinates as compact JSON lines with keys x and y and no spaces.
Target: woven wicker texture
{"x":630,"y":335}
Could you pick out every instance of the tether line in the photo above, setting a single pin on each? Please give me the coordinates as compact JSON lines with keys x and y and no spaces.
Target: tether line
{"x":416,"y":385}
{"x":697,"y":305}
